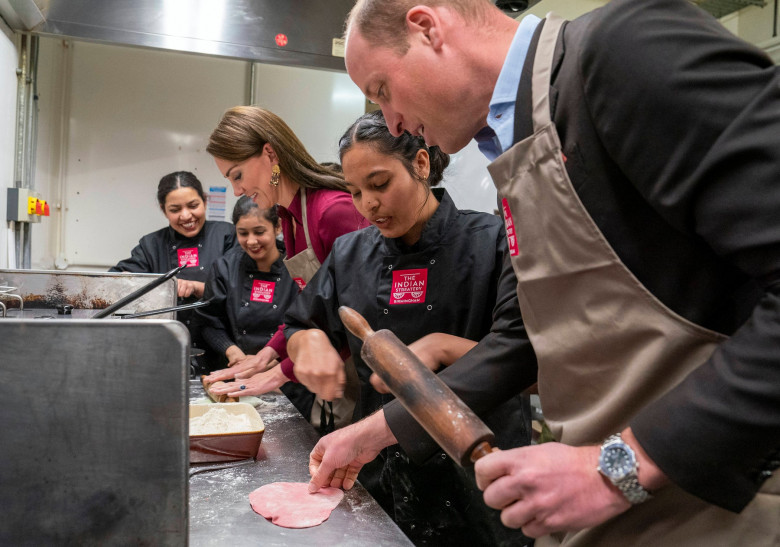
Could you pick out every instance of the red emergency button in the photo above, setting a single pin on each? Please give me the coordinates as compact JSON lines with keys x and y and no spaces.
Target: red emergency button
{"x":281,"y":40}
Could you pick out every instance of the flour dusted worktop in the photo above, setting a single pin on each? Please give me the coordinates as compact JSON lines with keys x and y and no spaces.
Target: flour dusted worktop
{"x":219,"y":510}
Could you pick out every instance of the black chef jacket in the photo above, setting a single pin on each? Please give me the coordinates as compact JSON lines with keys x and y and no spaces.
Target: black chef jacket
{"x":446,"y":282}
{"x":247,"y":307}
{"x":161,"y":251}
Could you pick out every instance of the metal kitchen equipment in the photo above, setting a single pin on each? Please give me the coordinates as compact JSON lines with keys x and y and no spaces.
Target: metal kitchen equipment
{"x":9,"y":293}
{"x":198,"y":304}
{"x":138,"y":293}
{"x":41,"y":291}
{"x":94,"y":444}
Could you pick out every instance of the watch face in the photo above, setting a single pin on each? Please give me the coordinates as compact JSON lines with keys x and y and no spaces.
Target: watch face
{"x":616,"y":462}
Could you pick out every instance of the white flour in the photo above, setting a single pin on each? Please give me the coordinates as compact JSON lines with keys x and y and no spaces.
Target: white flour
{"x":219,"y":420}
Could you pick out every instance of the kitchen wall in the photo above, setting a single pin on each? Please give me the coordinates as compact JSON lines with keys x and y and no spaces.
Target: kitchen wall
{"x":8,"y":63}
{"x":113,"y":120}
{"x":757,"y":25}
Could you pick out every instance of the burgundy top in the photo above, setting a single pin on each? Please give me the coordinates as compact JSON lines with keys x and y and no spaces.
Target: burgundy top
{"x":329,"y":214}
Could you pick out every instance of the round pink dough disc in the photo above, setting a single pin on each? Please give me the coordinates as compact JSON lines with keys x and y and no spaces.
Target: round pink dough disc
{"x":289,"y":504}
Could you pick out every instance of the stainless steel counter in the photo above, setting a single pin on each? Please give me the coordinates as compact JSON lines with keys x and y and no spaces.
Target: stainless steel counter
{"x":219,"y":509}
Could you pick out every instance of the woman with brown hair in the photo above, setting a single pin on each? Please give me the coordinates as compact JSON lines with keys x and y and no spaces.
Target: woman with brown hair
{"x":263,"y":159}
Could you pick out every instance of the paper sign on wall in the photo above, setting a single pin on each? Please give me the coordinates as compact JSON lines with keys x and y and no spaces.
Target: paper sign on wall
{"x":215,"y":204}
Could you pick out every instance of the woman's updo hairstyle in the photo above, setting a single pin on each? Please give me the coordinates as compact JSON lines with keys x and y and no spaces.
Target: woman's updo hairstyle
{"x":245,"y":206}
{"x":371,"y":129}
{"x":174,"y":181}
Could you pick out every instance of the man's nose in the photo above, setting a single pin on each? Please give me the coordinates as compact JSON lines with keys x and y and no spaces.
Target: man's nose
{"x":394,"y":122}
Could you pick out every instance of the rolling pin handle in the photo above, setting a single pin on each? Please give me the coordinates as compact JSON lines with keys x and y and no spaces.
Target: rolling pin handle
{"x":482,"y":449}
{"x":355,"y":323}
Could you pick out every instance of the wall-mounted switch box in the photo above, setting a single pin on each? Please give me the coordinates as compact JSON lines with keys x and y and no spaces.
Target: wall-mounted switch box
{"x":18,"y":205}
{"x":25,"y":206}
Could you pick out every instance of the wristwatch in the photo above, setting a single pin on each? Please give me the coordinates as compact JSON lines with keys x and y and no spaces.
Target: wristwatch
{"x":618,"y":463}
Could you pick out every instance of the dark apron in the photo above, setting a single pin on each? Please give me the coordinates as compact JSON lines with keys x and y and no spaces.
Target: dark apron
{"x":606,"y":347}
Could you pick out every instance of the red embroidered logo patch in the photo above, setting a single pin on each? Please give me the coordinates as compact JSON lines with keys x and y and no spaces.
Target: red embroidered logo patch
{"x":510,"y":228}
{"x":188,"y":257}
{"x":409,"y":286}
{"x":263,"y":291}
{"x":300,"y":282}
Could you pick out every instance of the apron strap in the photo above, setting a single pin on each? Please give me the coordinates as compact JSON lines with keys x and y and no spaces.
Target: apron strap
{"x":543,"y":62}
{"x":303,"y":216}
{"x":524,"y":125}
{"x":327,"y":418}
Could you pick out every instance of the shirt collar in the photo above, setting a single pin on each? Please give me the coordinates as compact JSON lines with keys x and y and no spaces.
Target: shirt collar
{"x":499,"y":133}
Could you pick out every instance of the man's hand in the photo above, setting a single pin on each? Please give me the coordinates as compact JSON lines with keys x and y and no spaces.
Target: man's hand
{"x":548,"y":488}
{"x":337,"y":458}
{"x":553,"y":487}
{"x":318,"y":365}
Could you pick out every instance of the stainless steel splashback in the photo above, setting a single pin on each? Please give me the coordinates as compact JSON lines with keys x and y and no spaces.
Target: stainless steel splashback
{"x":244,"y":29}
{"x":94,"y":446}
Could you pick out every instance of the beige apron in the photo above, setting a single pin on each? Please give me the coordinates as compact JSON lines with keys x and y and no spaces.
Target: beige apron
{"x":606,"y":347}
{"x":302,"y":268}
{"x":305,"y":264}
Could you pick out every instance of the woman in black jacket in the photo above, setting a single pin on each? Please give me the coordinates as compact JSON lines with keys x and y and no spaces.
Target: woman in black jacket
{"x":423,"y":269}
{"x":188,"y":239}
{"x":250,"y":289}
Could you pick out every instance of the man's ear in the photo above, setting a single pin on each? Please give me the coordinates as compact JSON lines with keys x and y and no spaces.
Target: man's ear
{"x":424,"y":21}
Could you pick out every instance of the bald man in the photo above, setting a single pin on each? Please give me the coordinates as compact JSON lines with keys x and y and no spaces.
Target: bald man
{"x":635,"y":152}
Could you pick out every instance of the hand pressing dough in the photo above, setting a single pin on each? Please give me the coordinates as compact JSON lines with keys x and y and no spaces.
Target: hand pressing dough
{"x":289,"y":504}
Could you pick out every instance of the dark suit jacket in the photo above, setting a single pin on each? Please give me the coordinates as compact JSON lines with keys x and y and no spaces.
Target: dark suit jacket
{"x":671,"y":127}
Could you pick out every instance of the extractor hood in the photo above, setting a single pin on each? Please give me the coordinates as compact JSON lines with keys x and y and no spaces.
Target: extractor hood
{"x":288,"y":32}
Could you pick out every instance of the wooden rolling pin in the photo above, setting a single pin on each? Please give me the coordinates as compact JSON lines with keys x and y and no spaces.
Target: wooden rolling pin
{"x":453,"y":425}
{"x":213,"y":396}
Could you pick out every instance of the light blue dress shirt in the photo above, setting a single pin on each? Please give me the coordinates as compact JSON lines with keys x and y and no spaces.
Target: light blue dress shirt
{"x":498,"y":135}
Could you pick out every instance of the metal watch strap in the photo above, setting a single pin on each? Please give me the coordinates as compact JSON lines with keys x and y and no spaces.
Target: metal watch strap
{"x":629,"y":485}
{"x":632,"y":490}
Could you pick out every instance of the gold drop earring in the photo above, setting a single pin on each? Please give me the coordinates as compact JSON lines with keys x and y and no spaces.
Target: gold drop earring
{"x":275,"y":175}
